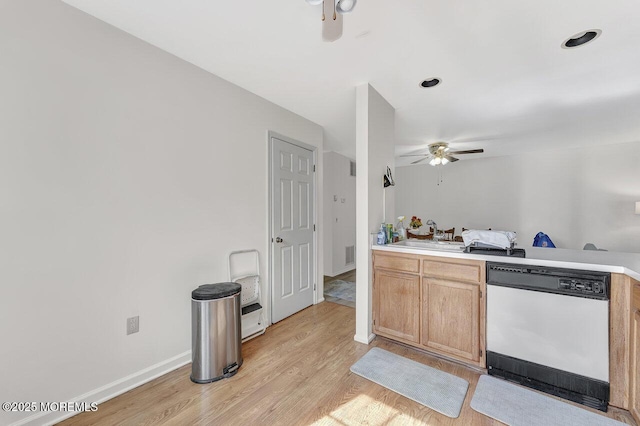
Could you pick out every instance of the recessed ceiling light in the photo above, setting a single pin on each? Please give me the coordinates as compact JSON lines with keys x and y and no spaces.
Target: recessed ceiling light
{"x":581,"y":38}
{"x":430,"y":82}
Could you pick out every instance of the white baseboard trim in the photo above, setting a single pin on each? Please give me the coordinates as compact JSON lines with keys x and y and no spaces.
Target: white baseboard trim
{"x":110,"y":390}
{"x":320,"y":300}
{"x":342,"y":271}
{"x":365,"y":340}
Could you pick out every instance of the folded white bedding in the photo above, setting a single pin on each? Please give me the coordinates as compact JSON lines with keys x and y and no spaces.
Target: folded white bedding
{"x":484,"y":238}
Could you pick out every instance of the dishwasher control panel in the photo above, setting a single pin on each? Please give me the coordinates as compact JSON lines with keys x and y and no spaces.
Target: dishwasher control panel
{"x":582,"y":286}
{"x":569,"y":282}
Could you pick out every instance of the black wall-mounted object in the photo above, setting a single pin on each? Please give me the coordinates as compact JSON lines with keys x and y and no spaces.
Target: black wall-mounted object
{"x":388,"y":179}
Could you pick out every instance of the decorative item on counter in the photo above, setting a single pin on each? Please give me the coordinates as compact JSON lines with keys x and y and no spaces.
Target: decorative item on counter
{"x":416,"y":222}
{"x":382,"y":235}
{"x":402,"y":233}
{"x":389,"y":233}
{"x":542,"y":240}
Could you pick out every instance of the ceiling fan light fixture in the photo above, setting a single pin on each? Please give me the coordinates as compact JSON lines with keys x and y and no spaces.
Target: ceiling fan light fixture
{"x":444,"y":161}
{"x":435,"y":161}
{"x":345,"y":6}
{"x":581,"y":39}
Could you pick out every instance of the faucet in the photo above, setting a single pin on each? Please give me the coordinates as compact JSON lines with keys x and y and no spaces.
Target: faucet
{"x":435,"y":228}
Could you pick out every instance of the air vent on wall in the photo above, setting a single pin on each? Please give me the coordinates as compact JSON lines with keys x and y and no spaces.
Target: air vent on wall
{"x":352,"y":171}
{"x":349,"y":256}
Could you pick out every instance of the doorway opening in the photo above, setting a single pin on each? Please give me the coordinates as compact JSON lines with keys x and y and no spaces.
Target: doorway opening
{"x":339,"y":228}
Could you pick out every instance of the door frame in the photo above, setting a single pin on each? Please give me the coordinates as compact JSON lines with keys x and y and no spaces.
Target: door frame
{"x":270,"y":243}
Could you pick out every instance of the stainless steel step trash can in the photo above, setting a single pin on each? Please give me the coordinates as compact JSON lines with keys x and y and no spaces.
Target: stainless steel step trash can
{"x":216,"y":332}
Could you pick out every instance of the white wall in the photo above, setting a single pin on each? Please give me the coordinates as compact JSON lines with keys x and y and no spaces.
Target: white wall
{"x":374,"y":152}
{"x":576,"y":196}
{"x":127,"y":175}
{"x":340,"y":213}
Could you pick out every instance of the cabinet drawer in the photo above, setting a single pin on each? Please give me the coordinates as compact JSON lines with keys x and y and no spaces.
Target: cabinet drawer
{"x":397,"y":263}
{"x":453,"y":271}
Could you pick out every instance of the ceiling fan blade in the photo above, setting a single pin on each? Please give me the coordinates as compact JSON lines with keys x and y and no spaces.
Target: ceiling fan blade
{"x":468,"y":151}
{"x":419,"y":161}
{"x":451,"y":159}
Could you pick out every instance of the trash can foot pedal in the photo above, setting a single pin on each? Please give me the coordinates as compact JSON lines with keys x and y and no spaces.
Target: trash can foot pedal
{"x":230,"y":369}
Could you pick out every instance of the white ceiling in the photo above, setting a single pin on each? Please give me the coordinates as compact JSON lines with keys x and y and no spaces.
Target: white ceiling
{"x":507,"y":85}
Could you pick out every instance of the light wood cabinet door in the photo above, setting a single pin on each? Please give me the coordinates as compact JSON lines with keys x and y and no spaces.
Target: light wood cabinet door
{"x":451,"y":317}
{"x":397,"y":305}
{"x":635,"y":367}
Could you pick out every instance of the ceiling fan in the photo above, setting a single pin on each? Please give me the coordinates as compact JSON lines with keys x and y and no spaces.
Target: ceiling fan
{"x":332,"y":11}
{"x":440,"y":154}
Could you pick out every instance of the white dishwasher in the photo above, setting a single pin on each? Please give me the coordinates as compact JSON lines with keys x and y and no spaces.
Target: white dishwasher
{"x":548,"y":328}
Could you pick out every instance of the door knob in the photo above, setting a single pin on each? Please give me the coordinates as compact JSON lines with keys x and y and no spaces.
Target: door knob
{"x":279,"y":240}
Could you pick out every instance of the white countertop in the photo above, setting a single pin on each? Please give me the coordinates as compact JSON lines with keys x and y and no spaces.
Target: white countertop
{"x":602,"y":261}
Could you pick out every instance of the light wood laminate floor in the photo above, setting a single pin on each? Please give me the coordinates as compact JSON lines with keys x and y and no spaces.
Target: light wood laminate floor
{"x":295,"y":374}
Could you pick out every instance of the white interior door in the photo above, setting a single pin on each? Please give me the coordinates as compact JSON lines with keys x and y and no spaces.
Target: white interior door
{"x":292,"y":228}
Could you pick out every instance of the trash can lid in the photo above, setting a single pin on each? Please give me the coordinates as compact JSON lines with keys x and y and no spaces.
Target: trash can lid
{"x":215,"y":291}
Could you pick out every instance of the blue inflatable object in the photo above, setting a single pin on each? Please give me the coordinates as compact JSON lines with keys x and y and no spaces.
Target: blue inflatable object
{"x":542,"y":240}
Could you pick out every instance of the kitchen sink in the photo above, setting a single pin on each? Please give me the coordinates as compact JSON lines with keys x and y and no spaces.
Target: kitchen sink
{"x":431,"y":245}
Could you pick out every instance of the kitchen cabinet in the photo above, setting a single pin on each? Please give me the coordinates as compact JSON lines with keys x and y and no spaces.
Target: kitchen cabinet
{"x":451,"y":318}
{"x":635,"y":355}
{"x":433,"y":303}
{"x":396,"y":297}
{"x":624,"y":344}
{"x":398,"y":303}
{"x":453,"y":308}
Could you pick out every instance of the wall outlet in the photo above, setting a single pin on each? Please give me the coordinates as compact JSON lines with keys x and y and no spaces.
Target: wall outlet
{"x":133,"y":325}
